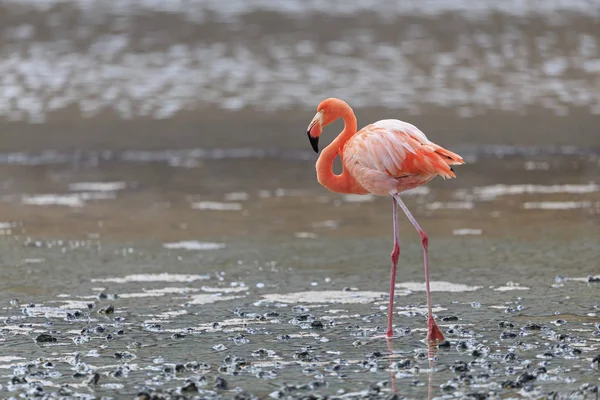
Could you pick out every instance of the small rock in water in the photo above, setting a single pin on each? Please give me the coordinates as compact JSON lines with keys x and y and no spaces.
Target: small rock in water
{"x":108,"y":310}
{"x":460,"y":366}
{"x":178,"y":335}
{"x":93,"y":380}
{"x":525,"y":377}
{"x":14,"y":302}
{"x":450,"y":318}
{"x":221,"y":383}
{"x":508,"y":335}
{"x":240,"y":339}
{"x":189,"y":387}
{"x":45,"y":338}
{"x":532,"y":327}
{"x":316,"y":325}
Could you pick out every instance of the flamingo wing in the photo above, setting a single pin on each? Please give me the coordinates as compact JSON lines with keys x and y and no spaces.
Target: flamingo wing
{"x":398,"y":150}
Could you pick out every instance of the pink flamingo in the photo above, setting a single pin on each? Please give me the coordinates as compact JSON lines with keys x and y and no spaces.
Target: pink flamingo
{"x":384,"y":158}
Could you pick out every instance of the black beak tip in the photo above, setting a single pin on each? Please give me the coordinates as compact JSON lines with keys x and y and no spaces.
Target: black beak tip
{"x":314,"y":142}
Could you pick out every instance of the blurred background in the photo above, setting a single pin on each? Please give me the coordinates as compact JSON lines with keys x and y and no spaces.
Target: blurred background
{"x":208,"y":73}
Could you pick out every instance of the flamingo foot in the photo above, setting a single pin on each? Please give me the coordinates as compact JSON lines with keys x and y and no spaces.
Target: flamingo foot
{"x":434,"y":333}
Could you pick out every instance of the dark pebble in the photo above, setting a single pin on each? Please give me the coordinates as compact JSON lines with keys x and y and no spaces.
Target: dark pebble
{"x":260,"y":353}
{"x":508,"y":335}
{"x":45,"y":338}
{"x":189,"y":387}
{"x":588,"y":388}
{"x":221,"y":383}
{"x":93,"y":380}
{"x":525,"y":377}
{"x":532,"y":327}
{"x":15,"y":380}
{"x":108,"y":310}
{"x":459,"y":366}
{"x":449,"y":318}
{"x":477,"y":396}
{"x":303,"y":356}
{"x":511,"y":385}
{"x":505,"y":324}
{"x":317,"y":325}
{"x":271,"y":314}
{"x":444,"y":345}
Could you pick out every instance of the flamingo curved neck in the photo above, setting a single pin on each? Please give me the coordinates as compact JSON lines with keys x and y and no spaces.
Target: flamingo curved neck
{"x":344,"y":182}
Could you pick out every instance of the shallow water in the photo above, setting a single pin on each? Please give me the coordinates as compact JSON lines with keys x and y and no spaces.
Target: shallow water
{"x":165,"y":277}
{"x":162,"y":232}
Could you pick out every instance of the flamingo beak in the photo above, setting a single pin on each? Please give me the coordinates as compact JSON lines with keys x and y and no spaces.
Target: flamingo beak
{"x":314,"y":130}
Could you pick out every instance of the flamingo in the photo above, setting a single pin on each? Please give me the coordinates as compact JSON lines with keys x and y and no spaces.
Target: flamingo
{"x":384,"y":158}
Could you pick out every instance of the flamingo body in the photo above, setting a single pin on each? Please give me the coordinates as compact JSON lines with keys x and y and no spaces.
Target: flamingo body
{"x":384,"y":158}
{"x":391,"y":156}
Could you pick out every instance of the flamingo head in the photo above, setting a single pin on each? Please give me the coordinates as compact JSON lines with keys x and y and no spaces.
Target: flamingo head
{"x":327,"y":112}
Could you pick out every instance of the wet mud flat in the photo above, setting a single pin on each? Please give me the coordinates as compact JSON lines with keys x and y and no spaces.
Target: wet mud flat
{"x":120,"y":278}
{"x":179,"y":328}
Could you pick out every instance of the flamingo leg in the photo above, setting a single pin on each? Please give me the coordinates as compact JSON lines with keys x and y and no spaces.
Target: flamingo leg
{"x":434,"y":334}
{"x":394,"y":256}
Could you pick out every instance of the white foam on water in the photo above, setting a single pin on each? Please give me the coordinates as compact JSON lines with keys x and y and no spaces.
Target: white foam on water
{"x":556,"y":205}
{"x":326,"y":296}
{"x":329,"y":224}
{"x":209,"y":298}
{"x":291,"y":192}
{"x":236,"y":196}
{"x":305,"y":235}
{"x":535,"y":166}
{"x":194,"y":245}
{"x":235,"y":289}
{"x":451,"y":205}
{"x":68,"y":200}
{"x":466,"y":231}
{"x":418,"y":191}
{"x":33,"y":260}
{"x":162,"y":277}
{"x":420,"y":310}
{"x":96,"y":186}
{"x":170,"y":314}
{"x":509,"y":288}
{"x":437,"y":286}
{"x":493,"y":191}
{"x":358,"y":198}
{"x":10,"y":358}
{"x":6,"y":225}
{"x":53,"y":200}
{"x":159,"y":292}
{"x":586,"y":279}
{"x":74,"y":304}
{"x":216,"y":206}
